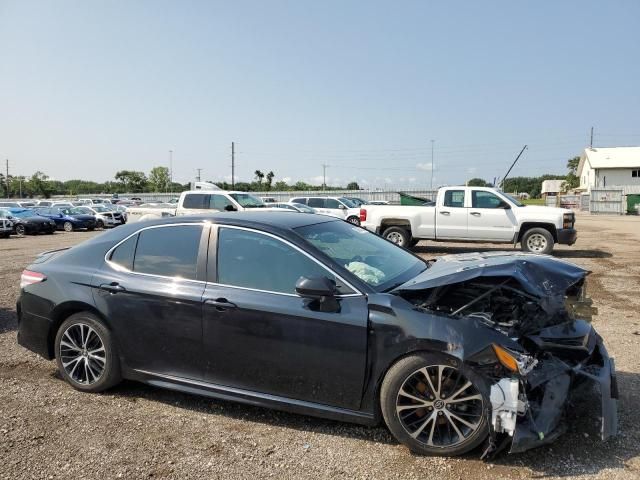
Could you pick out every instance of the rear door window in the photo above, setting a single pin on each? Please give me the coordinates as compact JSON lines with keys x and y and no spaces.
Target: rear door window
{"x":316,"y":202}
{"x":196,"y":201}
{"x":454,"y":198}
{"x":299,"y":200}
{"x":123,"y":254}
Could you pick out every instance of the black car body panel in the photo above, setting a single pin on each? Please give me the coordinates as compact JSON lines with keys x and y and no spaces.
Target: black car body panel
{"x":33,"y":223}
{"x":283,"y":351}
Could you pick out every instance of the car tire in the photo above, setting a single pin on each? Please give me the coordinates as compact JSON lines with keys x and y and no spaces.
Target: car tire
{"x":398,"y":235}
{"x":85,"y":353}
{"x":68,"y":227}
{"x":20,"y":230}
{"x":354,"y":220}
{"x":99,"y":224}
{"x":537,"y":240}
{"x":444,"y":431}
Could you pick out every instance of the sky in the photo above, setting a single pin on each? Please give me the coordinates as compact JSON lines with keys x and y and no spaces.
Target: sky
{"x":88,"y":88}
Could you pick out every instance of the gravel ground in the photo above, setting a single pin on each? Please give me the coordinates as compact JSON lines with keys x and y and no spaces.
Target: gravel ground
{"x":49,"y":430}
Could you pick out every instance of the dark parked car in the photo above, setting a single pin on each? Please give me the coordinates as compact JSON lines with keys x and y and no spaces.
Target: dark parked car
{"x":26,"y":221}
{"x":310,"y":314}
{"x":68,"y":218}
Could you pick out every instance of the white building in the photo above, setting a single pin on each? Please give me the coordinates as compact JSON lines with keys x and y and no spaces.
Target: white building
{"x":609,"y":167}
{"x":551,"y":188}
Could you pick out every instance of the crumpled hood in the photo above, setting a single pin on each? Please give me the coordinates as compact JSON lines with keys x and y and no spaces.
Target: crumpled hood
{"x":539,"y":275}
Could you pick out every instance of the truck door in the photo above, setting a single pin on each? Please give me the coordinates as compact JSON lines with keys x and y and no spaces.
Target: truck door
{"x":490,"y":217}
{"x":451,"y":216}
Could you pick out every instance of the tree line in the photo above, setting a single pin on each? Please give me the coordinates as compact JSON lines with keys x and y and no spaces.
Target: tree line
{"x":132,"y":181}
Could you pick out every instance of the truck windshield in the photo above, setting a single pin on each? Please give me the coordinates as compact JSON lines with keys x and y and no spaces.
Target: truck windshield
{"x":247,"y":200}
{"x":513,"y":200}
{"x":372,"y":259}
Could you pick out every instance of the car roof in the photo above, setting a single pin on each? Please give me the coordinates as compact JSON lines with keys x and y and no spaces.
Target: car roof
{"x":266,"y":220}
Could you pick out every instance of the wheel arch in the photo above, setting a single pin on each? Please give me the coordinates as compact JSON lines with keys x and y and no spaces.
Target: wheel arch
{"x":63,"y":311}
{"x":395,"y":222}
{"x":547,"y":226}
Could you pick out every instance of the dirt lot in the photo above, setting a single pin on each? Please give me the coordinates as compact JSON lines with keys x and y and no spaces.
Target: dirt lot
{"x":49,"y":430}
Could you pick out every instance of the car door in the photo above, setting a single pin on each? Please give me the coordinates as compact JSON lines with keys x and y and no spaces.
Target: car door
{"x":490,"y":217}
{"x":258,"y":335}
{"x":319,"y":204}
{"x":336,"y":208}
{"x":150,"y":290}
{"x":451,"y":216}
{"x":221,"y":203}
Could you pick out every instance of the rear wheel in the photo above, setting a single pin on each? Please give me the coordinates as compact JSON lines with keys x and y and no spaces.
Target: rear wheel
{"x":433,"y":405}
{"x":537,"y":240}
{"x":20,"y":230}
{"x":68,"y":226}
{"x":398,"y":235}
{"x":353,"y":219}
{"x":85,"y":353}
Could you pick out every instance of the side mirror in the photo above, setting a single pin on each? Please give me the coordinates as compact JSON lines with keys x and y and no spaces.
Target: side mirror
{"x":230,"y":208}
{"x":342,"y":207}
{"x":60,"y":215}
{"x":321,"y":291}
{"x":506,"y":206}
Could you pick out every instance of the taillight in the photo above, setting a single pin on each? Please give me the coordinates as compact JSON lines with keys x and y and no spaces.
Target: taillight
{"x":29,"y":278}
{"x":363,"y":215}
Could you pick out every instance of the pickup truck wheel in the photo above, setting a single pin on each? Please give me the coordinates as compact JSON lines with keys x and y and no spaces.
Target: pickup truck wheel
{"x":354,"y":220}
{"x":398,"y":235}
{"x":537,"y":240}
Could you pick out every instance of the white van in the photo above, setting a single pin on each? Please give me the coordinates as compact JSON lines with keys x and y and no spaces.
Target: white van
{"x":340,"y":207}
{"x":201,"y":201}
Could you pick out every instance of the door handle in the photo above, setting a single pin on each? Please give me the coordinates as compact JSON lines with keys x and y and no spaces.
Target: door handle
{"x":445,"y":213}
{"x":475,"y":214}
{"x":220,"y":304}
{"x":113,"y":287}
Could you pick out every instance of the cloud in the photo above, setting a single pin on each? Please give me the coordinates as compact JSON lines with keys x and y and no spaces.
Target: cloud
{"x":425,"y":166}
{"x":472,"y":170}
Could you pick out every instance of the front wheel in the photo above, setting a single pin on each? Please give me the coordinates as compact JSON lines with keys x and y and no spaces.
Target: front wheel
{"x":537,"y":240}
{"x":68,"y":226}
{"x":20,"y":230}
{"x":85,"y":353}
{"x":100,"y":224}
{"x":398,"y":235}
{"x":433,"y":405}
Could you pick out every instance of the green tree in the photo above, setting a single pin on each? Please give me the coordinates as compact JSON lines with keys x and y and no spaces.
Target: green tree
{"x":572,"y":180}
{"x":270,"y":176}
{"x":477,"y":182}
{"x":39,"y":185}
{"x":353,"y":186}
{"x":259,"y":176}
{"x":132,"y":181}
{"x":159,"y":179}
{"x":281,"y":186}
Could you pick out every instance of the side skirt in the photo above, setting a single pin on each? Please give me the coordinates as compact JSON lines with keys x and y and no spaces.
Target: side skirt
{"x":248,"y":397}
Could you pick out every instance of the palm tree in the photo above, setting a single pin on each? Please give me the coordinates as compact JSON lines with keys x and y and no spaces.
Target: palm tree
{"x":259,"y":176}
{"x":270,"y":176}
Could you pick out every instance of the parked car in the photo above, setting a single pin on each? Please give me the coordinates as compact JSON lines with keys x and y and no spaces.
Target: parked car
{"x":6,"y":227}
{"x":357,"y":201}
{"x":10,"y":205}
{"x":296,"y":207}
{"x":198,"y":201}
{"x":121,"y":209}
{"x":26,"y":221}
{"x":268,"y":199}
{"x":340,"y":207}
{"x":69,"y":218}
{"x":104,"y":216}
{"x":308,"y":314}
{"x":473,"y":214}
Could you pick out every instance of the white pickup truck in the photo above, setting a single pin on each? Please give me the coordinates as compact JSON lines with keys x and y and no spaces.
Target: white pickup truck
{"x":473,"y":214}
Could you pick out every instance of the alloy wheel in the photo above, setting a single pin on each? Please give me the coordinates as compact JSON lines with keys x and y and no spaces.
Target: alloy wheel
{"x":396,"y":238}
{"x":354,"y":220}
{"x":439,"y":407}
{"x":82,"y":354}
{"x":20,"y":230}
{"x":68,"y":227}
{"x":537,"y":243}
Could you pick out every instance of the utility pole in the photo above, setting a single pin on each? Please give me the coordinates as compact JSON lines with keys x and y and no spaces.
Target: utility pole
{"x":512,"y":165}
{"x":233,"y":165}
{"x":171,"y":171}
{"x":324,"y":176}
{"x":7,"y":178}
{"x":199,"y":171}
{"x":591,"y":142}
{"x":431,"y":180}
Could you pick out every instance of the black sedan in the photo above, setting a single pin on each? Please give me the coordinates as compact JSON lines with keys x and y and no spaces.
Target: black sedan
{"x":26,"y":221}
{"x":310,"y":314}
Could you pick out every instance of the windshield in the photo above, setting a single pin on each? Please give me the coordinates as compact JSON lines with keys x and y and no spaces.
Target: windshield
{"x":24,"y":214}
{"x":72,"y":211}
{"x":84,"y":210}
{"x":247,"y":200}
{"x":347,"y":202}
{"x":100,"y":209}
{"x":517,"y":202}
{"x":304,"y":208}
{"x":372,"y":259}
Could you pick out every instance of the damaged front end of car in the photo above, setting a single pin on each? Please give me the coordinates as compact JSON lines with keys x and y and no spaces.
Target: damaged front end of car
{"x":551,"y":357}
